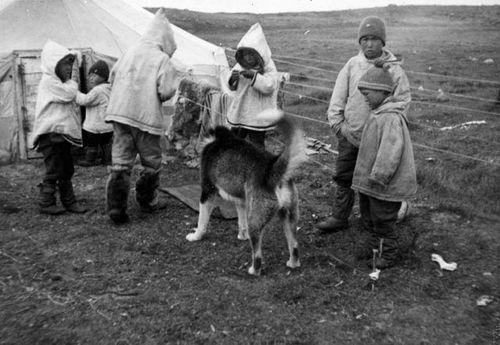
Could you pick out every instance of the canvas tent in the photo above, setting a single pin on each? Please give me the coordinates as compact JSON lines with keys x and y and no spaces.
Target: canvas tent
{"x":101,"y":29}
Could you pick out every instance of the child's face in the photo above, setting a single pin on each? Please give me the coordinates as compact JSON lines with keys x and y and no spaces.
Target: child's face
{"x":94,"y":80}
{"x":374,"y":97}
{"x":249,"y":61}
{"x":371,"y":46}
{"x":64,"y":68}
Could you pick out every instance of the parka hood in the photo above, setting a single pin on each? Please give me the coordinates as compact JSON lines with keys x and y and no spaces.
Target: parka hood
{"x":160,"y":33}
{"x":52,"y":53}
{"x":391,"y":104}
{"x":255,"y":39}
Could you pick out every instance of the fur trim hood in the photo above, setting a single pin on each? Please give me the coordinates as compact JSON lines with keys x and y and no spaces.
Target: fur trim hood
{"x":255,"y":39}
{"x":160,"y":33}
{"x":52,"y":53}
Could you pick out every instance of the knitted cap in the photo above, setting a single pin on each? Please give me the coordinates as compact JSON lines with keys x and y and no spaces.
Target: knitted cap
{"x":376,"y":79}
{"x":101,"y":69}
{"x":372,"y":26}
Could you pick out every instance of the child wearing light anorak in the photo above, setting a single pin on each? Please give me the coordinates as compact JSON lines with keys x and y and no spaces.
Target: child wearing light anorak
{"x":141,"y":80}
{"x":385,"y":173}
{"x":347,"y":114}
{"x":96,"y":132}
{"x":254,"y":81}
{"x":57,"y":127}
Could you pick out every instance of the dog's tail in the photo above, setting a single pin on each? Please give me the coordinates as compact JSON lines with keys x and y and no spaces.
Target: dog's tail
{"x":294,"y":153}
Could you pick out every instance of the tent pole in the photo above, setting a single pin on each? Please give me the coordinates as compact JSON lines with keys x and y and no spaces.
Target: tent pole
{"x":19,"y":101}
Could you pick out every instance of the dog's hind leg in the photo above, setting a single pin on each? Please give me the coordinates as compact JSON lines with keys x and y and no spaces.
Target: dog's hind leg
{"x":260,"y":213}
{"x":242,"y":221}
{"x":289,"y":215}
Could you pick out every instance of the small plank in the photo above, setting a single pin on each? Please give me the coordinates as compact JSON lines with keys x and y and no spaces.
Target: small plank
{"x":190,"y":195}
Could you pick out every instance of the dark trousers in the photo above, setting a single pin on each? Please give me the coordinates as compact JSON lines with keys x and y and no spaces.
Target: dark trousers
{"x":379,"y":216}
{"x":96,"y":140}
{"x":344,"y":171}
{"x":345,"y":163}
{"x":256,"y":137}
{"x":57,"y":158}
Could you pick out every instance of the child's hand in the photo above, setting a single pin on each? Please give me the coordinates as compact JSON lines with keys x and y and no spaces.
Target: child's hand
{"x":234,"y":80}
{"x":78,"y":57}
{"x":249,"y":74}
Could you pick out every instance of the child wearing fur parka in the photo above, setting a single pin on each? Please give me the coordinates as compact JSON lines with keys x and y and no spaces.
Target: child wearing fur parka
{"x":385,"y":172}
{"x":141,"y":80}
{"x":254,"y":82}
{"x":57,"y":127}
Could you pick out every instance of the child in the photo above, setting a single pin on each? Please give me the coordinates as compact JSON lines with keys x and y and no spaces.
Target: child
{"x":385,"y":173}
{"x":255,"y":85}
{"x":57,"y":127}
{"x":347,"y":114}
{"x":142,"y":79}
{"x":96,"y":132}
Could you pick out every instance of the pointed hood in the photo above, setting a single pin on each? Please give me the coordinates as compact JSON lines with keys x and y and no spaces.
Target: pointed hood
{"x":52,"y":53}
{"x":256,"y":40}
{"x":160,"y":33}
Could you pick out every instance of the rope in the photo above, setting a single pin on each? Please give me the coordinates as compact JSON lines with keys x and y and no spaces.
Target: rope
{"x":484,"y":81}
{"x":492,"y":162}
{"x":456,"y":108}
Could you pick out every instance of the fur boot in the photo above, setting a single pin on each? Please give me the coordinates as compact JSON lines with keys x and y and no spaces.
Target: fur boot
{"x":68,"y":198}
{"x":117,"y":189}
{"x":146,"y":193}
{"x":90,"y":157}
{"x":47,"y":200}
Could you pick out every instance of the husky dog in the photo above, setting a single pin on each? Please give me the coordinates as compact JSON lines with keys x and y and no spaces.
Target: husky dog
{"x":258,"y":182}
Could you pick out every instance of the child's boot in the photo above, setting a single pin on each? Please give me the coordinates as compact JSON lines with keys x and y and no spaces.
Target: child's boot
{"x":47,"y":201}
{"x":106,"y":154}
{"x":90,"y":157}
{"x":68,"y":198}
{"x":117,"y":189}
{"x":344,"y":200}
{"x":390,"y":253}
{"x":146,"y":193}
{"x":364,"y":250}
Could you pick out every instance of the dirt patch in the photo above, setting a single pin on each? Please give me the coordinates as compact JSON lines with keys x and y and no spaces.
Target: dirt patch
{"x":78,"y":279}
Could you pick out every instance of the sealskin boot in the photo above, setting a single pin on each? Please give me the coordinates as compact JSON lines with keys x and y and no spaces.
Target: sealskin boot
{"x":68,"y":198}
{"x":332,"y":224}
{"x":106,"y":154}
{"x":364,"y":249}
{"x":47,"y":200}
{"x":344,"y":200}
{"x":117,"y":190}
{"x":146,"y":193}
{"x":90,"y":157}
{"x":389,"y":256}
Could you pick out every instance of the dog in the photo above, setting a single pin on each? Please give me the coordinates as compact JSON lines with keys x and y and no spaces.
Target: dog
{"x":258,"y":182}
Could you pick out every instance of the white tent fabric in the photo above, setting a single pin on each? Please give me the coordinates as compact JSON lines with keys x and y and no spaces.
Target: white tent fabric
{"x":105,"y":28}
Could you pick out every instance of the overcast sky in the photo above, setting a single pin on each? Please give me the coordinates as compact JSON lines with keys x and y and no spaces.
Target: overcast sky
{"x":269,"y":6}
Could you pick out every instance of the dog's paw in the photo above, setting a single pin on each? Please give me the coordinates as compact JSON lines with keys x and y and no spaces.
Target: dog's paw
{"x":253,"y":272}
{"x":243,"y":236}
{"x":293,"y":263}
{"x":194,"y":236}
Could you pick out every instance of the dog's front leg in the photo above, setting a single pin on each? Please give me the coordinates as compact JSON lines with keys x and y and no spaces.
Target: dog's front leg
{"x":205,"y":212}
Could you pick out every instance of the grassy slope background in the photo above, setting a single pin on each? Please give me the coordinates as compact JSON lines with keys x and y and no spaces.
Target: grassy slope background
{"x":77,"y":279}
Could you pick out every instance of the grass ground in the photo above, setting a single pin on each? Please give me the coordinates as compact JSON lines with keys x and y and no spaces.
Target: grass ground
{"x":77,"y":279}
